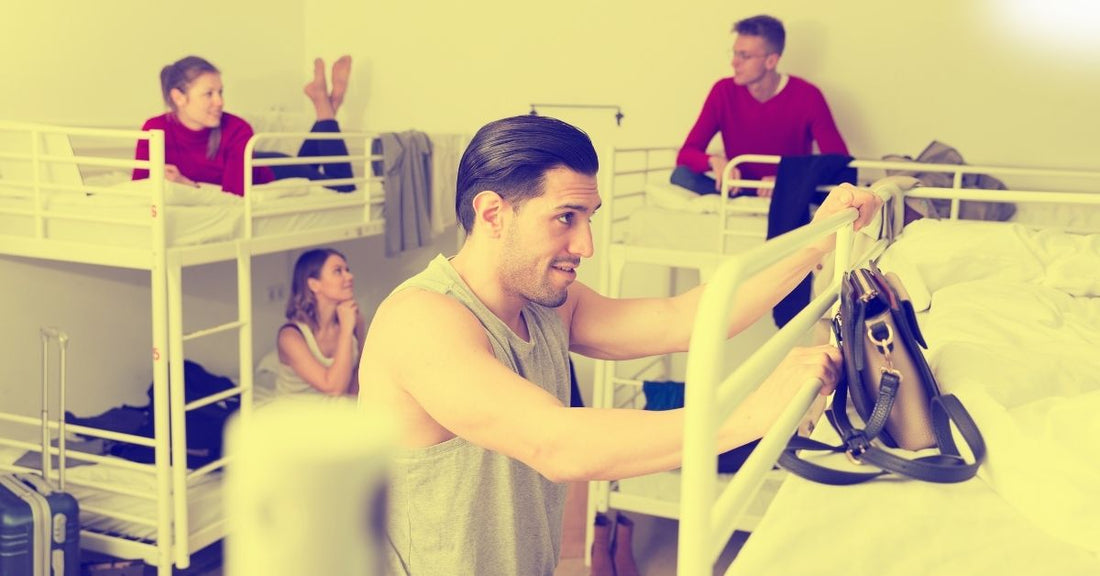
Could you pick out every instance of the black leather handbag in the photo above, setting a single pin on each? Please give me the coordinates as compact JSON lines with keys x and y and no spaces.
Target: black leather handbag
{"x":893,"y":391}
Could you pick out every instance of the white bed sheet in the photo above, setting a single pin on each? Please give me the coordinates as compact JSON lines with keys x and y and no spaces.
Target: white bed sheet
{"x":204,"y":504}
{"x":1014,"y":334}
{"x":194,"y":215}
{"x":677,"y":219}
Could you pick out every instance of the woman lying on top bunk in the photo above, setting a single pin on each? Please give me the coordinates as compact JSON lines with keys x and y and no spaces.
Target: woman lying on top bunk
{"x":202,"y":143}
{"x":319,"y":346}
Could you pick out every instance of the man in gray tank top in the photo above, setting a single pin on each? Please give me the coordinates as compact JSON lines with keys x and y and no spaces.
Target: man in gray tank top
{"x":471,"y":355}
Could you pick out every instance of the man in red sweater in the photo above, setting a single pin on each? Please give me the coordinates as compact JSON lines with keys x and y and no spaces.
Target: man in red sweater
{"x":758,"y":111}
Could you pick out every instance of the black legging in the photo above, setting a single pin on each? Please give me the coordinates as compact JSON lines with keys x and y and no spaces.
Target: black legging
{"x":316,"y":148}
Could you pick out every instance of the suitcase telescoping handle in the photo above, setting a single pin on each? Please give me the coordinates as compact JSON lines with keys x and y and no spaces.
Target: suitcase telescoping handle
{"x":62,"y":338}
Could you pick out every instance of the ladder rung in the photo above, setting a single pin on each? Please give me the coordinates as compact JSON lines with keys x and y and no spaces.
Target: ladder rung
{"x":208,"y":400}
{"x":214,"y":330}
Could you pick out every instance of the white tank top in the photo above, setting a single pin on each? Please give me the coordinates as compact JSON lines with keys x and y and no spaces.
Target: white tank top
{"x":287,"y":380}
{"x":457,"y":508}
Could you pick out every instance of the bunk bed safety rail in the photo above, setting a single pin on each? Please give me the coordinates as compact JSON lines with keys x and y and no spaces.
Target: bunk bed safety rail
{"x":710,"y":398}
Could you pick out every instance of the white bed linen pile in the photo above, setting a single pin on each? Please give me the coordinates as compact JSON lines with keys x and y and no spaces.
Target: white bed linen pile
{"x":676,"y":218}
{"x":195,"y":215}
{"x":1012,"y":318}
{"x":1014,"y":330}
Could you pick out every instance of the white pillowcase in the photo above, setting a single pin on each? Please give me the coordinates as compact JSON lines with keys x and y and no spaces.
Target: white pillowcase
{"x":176,"y":194}
{"x":943,"y":253}
{"x":673,"y":197}
{"x":279,"y":189}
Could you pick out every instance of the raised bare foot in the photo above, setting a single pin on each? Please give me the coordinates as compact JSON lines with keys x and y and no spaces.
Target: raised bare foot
{"x":317,"y":91}
{"x":341,"y":70}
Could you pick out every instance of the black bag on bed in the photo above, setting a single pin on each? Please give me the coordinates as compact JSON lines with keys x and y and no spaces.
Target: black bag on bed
{"x":893,"y":391}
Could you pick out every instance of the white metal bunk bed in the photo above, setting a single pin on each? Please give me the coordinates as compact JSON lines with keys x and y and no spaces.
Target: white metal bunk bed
{"x":650,"y":222}
{"x":985,"y":525}
{"x":145,"y":225}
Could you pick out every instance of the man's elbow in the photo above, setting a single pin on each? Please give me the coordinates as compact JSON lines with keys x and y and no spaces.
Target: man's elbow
{"x":559,"y":464}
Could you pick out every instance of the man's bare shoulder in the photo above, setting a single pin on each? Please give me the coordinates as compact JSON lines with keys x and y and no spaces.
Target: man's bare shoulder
{"x":415,"y":316}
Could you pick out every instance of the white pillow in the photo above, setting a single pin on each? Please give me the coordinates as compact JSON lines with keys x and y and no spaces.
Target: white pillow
{"x":277,"y":189}
{"x":1072,"y":261}
{"x":911,"y":279}
{"x":176,"y":194}
{"x":670,"y":196}
{"x":947,"y":252}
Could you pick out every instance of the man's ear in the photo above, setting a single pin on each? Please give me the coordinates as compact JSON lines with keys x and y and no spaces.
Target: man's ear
{"x":489,"y":210}
{"x":771,"y":61}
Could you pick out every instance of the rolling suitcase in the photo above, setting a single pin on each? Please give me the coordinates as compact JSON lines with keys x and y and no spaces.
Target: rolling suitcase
{"x":39,"y":525}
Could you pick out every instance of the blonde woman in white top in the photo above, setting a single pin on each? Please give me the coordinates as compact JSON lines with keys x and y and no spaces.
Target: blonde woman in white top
{"x":319,"y":345}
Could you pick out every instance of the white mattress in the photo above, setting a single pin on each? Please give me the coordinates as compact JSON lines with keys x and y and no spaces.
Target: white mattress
{"x":194,"y":215}
{"x":203,"y":498}
{"x":1013,"y":333}
{"x":677,"y":219}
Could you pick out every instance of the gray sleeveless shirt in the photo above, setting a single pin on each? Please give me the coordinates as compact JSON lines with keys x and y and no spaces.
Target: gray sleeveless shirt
{"x":458,"y":509}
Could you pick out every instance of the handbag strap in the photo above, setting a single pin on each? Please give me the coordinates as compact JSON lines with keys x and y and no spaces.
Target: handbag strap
{"x":946,"y":467}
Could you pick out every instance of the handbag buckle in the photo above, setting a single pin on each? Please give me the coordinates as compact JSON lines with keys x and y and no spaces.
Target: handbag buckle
{"x":886,"y":342}
{"x":885,"y":345}
{"x":857,"y":445}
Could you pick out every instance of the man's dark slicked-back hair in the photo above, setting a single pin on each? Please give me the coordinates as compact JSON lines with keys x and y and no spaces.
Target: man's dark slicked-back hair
{"x":767,"y":27}
{"x":511,"y":156}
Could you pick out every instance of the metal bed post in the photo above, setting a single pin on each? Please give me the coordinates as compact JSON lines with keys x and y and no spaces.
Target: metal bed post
{"x":603,"y":369}
{"x":177,"y":409}
{"x":244,"y":314}
{"x":158,"y":280}
{"x":706,"y":406}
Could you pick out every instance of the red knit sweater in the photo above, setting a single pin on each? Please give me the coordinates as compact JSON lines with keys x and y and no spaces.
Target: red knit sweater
{"x":786,"y":125}
{"x":186,"y":150}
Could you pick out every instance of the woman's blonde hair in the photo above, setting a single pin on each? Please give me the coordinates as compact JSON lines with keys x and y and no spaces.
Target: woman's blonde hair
{"x":302,"y":304}
{"x":178,"y":76}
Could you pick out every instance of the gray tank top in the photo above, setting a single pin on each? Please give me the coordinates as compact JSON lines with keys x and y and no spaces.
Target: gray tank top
{"x":456,"y":508}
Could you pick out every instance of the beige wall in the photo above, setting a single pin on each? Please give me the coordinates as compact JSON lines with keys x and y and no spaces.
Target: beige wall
{"x":1005,"y":81}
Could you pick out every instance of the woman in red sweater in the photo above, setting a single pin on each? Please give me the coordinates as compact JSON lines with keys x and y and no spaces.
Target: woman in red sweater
{"x":203,"y":143}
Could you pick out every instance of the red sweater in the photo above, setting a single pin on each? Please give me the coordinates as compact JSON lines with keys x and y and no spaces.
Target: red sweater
{"x":785,"y":125}
{"x":186,"y":150}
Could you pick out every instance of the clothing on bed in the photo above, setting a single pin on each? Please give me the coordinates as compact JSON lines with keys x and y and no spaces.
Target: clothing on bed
{"x":697,"y":182}
{"x":407,"y":168}
{"x":457,"y":508}
{"x":204,"y":426}
{"x":310,"y":148}
{"x":787,"y":124}
{"x":796,"y":185}
{"x":446,"y":153}
{"x":288,"y":382}
{"x":186,"y":149}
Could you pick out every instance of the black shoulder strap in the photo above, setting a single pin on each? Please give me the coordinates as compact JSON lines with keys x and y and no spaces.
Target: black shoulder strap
{"x":946,"y":467}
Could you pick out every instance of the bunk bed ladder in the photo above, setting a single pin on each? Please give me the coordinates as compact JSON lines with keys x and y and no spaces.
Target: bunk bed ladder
{"x":178,"y":404}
